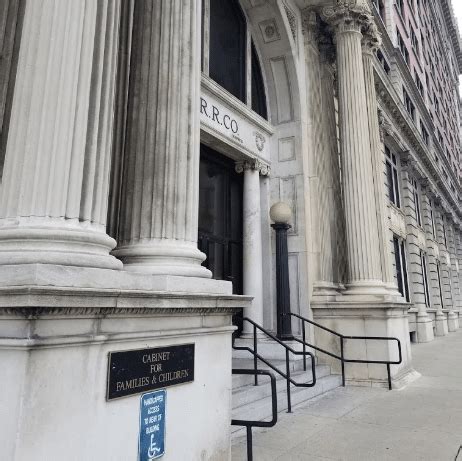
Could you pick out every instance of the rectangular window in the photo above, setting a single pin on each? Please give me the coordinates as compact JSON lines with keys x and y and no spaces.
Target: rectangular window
{"x":392,"y":177}
{"x":383,"y":62}
{"x":432,"y":219}
{"x":425,"y":135}
{"x":444,"y":234}
{"x":418,"y":215}
{"x":401,"y":268}
{"x":402,"y":47}
{"x":414,"y":42}
{"x":409,"y":104}
{"x":423,"y":260}
{"x":439,"y":283}
{"x":400,"y":6}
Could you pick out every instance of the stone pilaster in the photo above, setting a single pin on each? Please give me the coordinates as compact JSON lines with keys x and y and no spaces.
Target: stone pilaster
{"x":55,"y":178}
{"x":252,"y":269}
{"x":158,"y":224}
{"x":371,"y":41}
{"x":363,"y":243}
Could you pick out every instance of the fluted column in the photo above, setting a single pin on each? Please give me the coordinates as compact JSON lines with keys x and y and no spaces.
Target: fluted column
{"x":319,"y":89}
{"x":365,"y":275}
{"x":453,"y":317}
{"x":252,"y":269}
{"x":371,"y":41}
{"x":55,"y":178}
{"x":441,"y":320}
{"x":158,"y":223}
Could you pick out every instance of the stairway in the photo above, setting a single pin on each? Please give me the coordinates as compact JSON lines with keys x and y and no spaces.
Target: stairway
{"x":254,"y":402}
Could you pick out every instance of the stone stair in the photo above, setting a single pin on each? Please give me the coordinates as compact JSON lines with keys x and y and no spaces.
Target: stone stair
{"x":254,"y":402}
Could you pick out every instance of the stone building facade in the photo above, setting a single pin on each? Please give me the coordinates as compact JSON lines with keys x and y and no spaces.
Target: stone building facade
{"x":142,"y":145}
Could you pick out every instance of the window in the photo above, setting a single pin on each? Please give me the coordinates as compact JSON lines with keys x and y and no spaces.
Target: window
{"x":423,"y":261}
{"x":418,"y":215}
{"x":444,"y":233}
{"x":383,"y":62}
{"x":414,"y":41}
{"x":400,"y":6}
{"x":226,"y":58}
{"x":409,"y":104}
{"x":432,"y":219}
{"x":419,"y":84}
{"x":392,"y":177}
{"x":440,"y":288}
{"x":401,"y":267}
{"x":425,"y":135}
{"x":402,"y":47}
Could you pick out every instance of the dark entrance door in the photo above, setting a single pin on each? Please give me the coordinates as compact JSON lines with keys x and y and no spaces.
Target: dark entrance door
{"x":220,"y":217}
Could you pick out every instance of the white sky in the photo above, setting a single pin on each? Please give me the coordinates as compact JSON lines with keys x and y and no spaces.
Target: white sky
{"x":457,"y":5}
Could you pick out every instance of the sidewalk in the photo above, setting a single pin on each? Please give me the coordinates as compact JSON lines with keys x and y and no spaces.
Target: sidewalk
{"x":421,"y":422}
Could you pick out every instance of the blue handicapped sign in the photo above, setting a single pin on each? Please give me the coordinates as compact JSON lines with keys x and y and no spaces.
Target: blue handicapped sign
{"x":151,"y":442}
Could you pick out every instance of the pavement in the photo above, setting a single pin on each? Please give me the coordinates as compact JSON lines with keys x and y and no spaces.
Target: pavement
{"x":423,"y":421}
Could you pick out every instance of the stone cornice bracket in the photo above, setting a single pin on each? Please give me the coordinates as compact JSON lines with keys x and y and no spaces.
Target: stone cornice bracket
{"x":348,"y":15}
{"x":253,"y":164}
{"x":385,"y":127}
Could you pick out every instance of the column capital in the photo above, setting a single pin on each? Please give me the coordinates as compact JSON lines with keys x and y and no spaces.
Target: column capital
{"x":371,"y":39}
{"x":253,"y":164}
{"x":348,"y":16}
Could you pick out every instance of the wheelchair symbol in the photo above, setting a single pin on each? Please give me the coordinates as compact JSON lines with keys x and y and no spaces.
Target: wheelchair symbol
{"x":152,"y":449}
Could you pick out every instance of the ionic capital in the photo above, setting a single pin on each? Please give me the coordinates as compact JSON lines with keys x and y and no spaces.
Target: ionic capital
{"x":253,"y":164}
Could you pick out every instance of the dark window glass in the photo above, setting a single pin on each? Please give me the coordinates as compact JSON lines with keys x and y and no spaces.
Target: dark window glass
{"x":404,"y":271}
{"x":425,"y":278}
{"x":400,"y":266}
{"x":228,"y":46}
{"x":258,"y":88}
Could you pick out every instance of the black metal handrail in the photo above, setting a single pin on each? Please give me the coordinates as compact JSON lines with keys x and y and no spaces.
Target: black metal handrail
{"x":342,"y":358}
{"x":248,"y":423}
{"x":286,"y":375}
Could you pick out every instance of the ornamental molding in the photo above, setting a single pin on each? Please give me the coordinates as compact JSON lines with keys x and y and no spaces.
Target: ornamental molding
{"x":31,"y":313}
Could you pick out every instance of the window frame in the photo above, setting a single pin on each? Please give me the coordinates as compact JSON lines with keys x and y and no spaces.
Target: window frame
{"x":401,"y":267}
{"x":391,"y":163}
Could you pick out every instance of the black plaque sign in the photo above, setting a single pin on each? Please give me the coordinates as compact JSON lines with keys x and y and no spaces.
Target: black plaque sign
{"x":142,"y":370}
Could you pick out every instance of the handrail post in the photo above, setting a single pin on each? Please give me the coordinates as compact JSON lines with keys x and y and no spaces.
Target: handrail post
{"x":249,"y":443}
{"x":289,"y":403}
{"x":389,"y":376}
{"x":342,"y":360}
{"x":304,"y":346}
{"x":255,"y":360}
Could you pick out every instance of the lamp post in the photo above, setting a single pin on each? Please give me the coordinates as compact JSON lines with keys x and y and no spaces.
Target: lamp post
{"x":281,"y":213}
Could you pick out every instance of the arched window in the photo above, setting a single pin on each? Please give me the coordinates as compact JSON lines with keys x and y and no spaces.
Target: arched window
{"x":228,"y":51}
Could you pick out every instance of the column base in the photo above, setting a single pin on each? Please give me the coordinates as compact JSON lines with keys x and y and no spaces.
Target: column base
{"x":62,"y":369}
{"x":424,"y":329}
{"x":163,"y":256}
{"x":61,"y":242}
{"x":373,"y":291}
{"x":364,"y":319}
{"x":441,"y":325}
{"x":453,"y":322}
{"x":326,"y":291}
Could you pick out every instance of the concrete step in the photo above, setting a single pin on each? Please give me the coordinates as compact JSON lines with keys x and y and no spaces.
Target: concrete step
{"x":250,"y":393}
{"x":254,"y":402}
{"x":243,"y":380}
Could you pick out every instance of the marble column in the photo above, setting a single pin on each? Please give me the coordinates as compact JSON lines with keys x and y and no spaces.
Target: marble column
{"x":453,"y":317}
{"x":252,"y":269}
{"x":441,"y":320}
{"x":158,"y":223}
{"x":363,"y":243}
{"x":55,"y":178}
{"x":371,"y":42}
{"x":319,"y":84}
